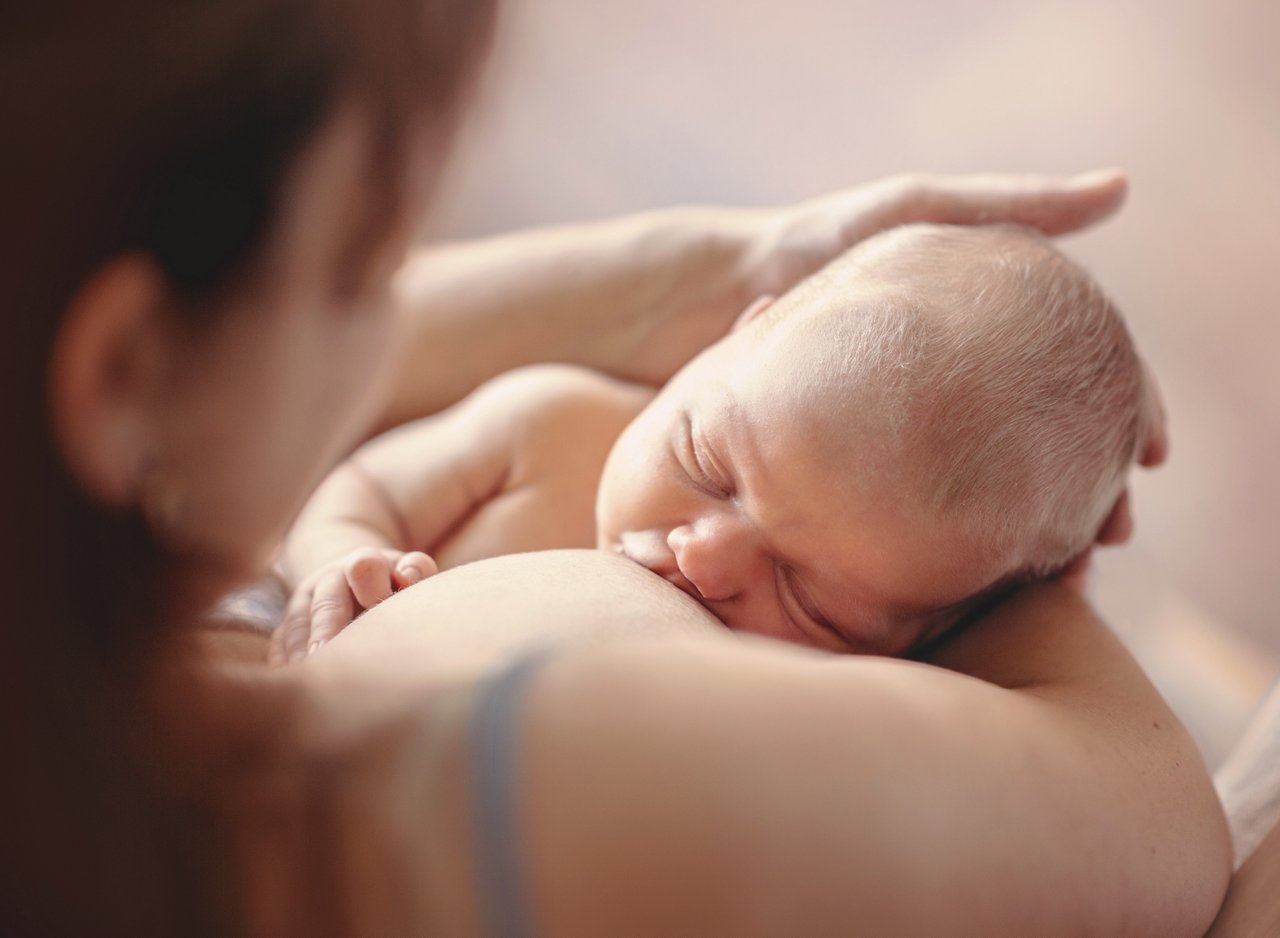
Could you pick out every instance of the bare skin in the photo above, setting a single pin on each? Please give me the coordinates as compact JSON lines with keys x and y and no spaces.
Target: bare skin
{"x":512,"y":468}
{"x":337,"y":794}
{"x":518,"y":467}
{"x":627,"y":725}
{"x":1061,"y":700}
{"x":764,"y":480}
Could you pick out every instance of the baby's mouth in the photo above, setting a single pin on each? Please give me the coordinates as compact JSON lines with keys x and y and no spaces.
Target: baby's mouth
{"x":650,"y":550}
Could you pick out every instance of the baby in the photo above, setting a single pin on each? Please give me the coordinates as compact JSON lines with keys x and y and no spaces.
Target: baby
{"x":938,"y":415}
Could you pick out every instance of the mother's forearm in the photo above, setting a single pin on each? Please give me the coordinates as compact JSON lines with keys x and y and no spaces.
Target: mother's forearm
{"x":634,"y":296}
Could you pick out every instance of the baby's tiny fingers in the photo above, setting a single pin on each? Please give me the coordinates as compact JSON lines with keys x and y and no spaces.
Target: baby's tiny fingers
{"x":414,"y":567}
{"x":369,"y":574}
{"x":332,"y":608}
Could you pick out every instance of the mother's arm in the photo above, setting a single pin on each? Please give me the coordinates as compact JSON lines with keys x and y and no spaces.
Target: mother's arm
{"x":638,"y":296}
{"x":697,"y":786}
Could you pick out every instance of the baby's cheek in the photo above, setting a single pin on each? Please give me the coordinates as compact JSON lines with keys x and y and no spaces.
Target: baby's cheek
{"x":627,"y":498}
{"x":613,"y":481}
{"x":619,"y":509}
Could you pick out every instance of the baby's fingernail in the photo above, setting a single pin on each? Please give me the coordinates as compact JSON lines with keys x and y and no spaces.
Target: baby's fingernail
{"x":411,"y":574}
{"x":311,"y":649}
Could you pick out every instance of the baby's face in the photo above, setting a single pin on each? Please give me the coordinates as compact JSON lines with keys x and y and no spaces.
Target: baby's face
{"x":748,"y":484}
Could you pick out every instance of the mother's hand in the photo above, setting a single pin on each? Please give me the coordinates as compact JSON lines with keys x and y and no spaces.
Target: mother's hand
{"x":776,"y":248}
{"x":793,"y":242}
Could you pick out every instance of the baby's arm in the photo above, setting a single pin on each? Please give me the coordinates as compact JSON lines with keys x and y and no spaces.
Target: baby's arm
{"x":407,"y":489}
{"x":537,"y":435}
{"x":363,"y":534}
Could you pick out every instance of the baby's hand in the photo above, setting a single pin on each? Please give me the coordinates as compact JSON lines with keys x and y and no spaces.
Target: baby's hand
{"x":328,"y":600}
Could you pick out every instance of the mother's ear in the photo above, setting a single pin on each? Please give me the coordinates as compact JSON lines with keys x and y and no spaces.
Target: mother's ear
{"x":106,"y":375}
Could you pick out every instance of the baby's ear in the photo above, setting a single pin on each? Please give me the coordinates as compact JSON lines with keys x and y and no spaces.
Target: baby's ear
{"x":1155,"y":448}
{"x":1118,"y":527}
{"x":758,"y":306}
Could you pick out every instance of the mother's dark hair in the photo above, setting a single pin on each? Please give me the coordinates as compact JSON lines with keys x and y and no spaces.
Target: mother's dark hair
{"x":166,"y":128}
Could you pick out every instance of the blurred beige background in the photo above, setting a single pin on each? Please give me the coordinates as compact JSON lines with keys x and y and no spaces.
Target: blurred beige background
{"x":597,"y":107}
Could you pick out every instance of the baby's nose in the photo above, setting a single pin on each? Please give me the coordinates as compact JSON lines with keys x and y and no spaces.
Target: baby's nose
{"x":714,"y":555}
{"x":649,"y":549}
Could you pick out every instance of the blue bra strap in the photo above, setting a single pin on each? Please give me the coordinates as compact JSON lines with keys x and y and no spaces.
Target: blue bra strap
{"x":502,"y":887}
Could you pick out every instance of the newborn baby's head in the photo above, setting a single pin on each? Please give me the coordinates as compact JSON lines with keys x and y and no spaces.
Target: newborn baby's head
{"x":937,"y":415}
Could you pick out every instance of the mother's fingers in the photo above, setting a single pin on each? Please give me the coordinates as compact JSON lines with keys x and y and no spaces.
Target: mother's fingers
{"x":1053,"y":204}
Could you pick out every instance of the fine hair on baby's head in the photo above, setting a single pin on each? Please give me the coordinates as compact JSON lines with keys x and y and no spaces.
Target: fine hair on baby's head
{"x":996,"y":372}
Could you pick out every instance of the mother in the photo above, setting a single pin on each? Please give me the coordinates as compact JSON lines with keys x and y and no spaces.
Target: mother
{"x":204,"y":205}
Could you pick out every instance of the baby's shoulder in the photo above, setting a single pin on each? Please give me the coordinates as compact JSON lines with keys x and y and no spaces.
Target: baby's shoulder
{"x":541,"y":397}
{"x":556,"y":425}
